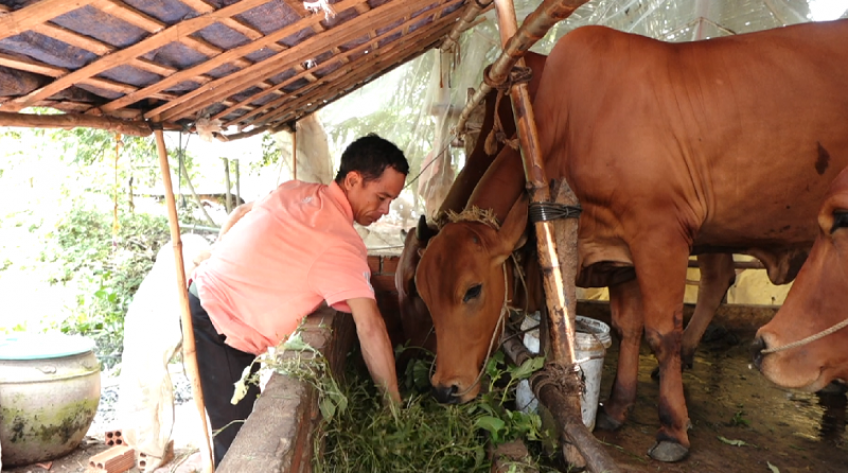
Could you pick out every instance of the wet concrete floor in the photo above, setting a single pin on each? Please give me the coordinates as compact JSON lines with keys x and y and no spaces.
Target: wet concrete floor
{"x":728,"y":399}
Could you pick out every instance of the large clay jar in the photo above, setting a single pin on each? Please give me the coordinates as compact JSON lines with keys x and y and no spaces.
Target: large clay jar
{"x":49,"y":392}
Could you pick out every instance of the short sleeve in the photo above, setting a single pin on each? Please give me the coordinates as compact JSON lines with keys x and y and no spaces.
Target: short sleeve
{"x":339,"y":274}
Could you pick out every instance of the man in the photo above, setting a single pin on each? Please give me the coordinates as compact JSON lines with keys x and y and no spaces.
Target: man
{"x":286,"y":254}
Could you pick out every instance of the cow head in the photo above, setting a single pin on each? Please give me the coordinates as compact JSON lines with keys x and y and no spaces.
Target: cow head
{"x":414,"y":316}
{"x":461,"y":279}
{"x":817,"y":301}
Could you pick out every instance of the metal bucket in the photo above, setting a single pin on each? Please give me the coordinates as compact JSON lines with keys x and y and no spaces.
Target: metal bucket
{"x":49,"y":392}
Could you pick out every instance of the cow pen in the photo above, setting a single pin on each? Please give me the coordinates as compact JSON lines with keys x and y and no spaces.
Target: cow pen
{"x":767,"y":428}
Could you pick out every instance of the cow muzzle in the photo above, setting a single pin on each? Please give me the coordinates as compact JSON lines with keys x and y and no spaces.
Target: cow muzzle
{"x":446,"y":394}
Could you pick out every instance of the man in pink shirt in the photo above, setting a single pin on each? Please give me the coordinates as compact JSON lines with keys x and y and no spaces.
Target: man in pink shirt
{"x":289,"y":252}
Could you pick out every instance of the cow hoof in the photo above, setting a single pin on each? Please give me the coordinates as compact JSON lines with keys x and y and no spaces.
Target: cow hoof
{"x":604,"y":422}
{"x":668,"y":452}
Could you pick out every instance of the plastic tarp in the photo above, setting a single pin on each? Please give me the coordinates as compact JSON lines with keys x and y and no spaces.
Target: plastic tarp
{"x":152,"y":336}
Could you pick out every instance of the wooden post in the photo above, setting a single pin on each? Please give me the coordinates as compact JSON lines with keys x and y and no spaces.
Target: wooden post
{"x":535,"y":26}
{"x":294,"y":151}
{"x":189,"y":353}
{"x":238,"y":183}
{"x":560,"y":311}
{"x":227,"y":203}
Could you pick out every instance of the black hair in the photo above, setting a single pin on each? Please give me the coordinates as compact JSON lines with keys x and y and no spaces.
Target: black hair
{"x":370,"y":156}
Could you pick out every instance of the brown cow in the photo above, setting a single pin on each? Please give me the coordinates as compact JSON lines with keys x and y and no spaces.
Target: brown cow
{"x":725,"y":145}
{"x":816,"y":303}
{"x":415,"y":318}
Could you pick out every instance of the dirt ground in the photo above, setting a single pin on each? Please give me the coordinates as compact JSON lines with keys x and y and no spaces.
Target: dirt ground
{"x":793,"y":431}
{"x":728,"y":398}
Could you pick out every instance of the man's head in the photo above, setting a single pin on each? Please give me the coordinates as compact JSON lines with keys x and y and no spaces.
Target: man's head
{"x":372,"y":174}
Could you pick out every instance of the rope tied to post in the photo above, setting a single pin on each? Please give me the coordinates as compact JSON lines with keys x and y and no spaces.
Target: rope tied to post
{"x":567,"y":378}
{"x":518,"y":75}
{"x":546,"y":211}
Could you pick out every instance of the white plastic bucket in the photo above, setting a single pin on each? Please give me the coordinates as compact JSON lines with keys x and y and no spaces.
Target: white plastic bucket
{"x":591,"y":340}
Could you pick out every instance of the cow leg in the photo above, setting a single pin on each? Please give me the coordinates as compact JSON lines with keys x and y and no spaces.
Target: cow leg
{"x":717,"y":275}
{"x":626,"y":310}
{"x":661,"y":271}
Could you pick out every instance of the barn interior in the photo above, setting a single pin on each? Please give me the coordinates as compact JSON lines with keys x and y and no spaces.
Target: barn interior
{"x":229,"y":71}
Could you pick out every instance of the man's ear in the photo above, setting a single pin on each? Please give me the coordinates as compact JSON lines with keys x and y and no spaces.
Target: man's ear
{"x":352,"y":179}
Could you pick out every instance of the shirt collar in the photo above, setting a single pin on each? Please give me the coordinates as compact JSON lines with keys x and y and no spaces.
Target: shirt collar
{"x":335,"y":192}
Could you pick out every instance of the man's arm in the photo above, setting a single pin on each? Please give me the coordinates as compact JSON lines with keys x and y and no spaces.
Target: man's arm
{"x":234,"y":217}
{"x":376,"y":347}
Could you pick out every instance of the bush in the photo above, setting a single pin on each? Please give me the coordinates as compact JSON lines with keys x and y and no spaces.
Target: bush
{"x":106,"y":271}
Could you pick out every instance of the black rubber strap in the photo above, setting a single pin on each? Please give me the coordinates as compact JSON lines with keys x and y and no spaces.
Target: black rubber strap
{"x":547,"y":211}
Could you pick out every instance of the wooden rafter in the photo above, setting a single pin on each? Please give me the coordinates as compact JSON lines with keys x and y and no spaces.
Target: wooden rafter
{"x":215,"y":62}
{"x":308,"y":48}
{"x":296,"y":112}
{"x":22,"y":20}
{"x":68,"y":121}
{"x":392,"y":54}
{"x":276,"y":102}
{"x":166,"y":36}
{"x":216,"y":86}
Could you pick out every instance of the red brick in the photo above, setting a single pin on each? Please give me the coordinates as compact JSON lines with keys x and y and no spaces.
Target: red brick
{"x":144,"y":458}
{"x":374,"y":263}
{"x":390,"y":264}
{"x":115,"y":460}
{"x":113,"y":437}
{"x":383,"y":283}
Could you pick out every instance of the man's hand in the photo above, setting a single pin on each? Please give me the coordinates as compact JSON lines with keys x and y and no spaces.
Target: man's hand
{"x":376,"y":347}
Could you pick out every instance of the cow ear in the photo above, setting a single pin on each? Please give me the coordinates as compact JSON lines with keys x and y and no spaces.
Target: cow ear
{"x":423,"y":232}
{"x":512,"y":232}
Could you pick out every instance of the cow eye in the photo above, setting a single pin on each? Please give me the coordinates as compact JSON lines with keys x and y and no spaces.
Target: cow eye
{"x":840,"y":220}
{"x":472,"y":293}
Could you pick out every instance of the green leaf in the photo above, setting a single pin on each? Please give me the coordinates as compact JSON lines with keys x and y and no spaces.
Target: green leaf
{"x":528,"y":368}
{"x":491,"y":424}
{"x":772,"y":467}
{"x":328,"y":408}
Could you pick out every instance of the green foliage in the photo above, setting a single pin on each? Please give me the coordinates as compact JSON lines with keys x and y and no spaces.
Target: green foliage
{"x":106,"y":271}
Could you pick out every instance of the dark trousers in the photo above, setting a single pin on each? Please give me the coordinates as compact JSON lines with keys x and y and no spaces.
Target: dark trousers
{"x":220,"y":366}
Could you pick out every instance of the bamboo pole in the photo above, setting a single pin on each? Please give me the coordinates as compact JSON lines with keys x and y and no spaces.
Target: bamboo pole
{"x":194,"y":194}
{"x":294,"y":151}
{"x":70,"y":121}
{"x":560,"y":310}
{"x":189,"y":353}
{"x":227,"y":202}
{"x":238,"y":183}
{"x":535,"y":26}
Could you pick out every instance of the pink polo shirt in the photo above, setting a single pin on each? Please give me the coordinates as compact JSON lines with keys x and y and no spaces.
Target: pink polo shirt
{"x":296,"y":248}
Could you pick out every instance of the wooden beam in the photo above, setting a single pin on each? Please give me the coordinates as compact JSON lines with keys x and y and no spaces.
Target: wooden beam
{"x":130,"y":15}
{"x":74,"y":39}
{"x":306,"y":49}
{"x":24,"y":19}
{"x":69,"y":121}
{"x":344,"y":78}
{"x":218,"y":60}
{"x":29,"y":65}
{"x":169,"y":35}
{"x":343,"y":90}
{"x":343,"y":56}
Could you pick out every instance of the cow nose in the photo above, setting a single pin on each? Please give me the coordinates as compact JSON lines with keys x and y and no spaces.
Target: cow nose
{"x":446,"y":394}
{"x":757,"y":347}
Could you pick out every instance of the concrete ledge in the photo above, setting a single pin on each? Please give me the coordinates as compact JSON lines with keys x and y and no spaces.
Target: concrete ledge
{"x":278,"y":435}
{"x":734,"y":317}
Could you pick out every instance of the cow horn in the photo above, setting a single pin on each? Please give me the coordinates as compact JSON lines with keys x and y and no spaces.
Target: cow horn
{"x":423,"y":232}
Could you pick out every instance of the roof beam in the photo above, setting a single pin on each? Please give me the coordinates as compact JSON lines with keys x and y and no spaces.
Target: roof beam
{"x":351,"y":74}
{"x":240,"y":80}
{"x":166,"y":36}
{"x":71,"y":121}
{"x":218,"y":60}
{"x":17,"y":22}
{"x":393,"y":61}
{"x":343,"y":57}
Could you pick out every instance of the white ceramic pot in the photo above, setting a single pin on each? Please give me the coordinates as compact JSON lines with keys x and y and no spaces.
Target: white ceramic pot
{"x":49,"y":392}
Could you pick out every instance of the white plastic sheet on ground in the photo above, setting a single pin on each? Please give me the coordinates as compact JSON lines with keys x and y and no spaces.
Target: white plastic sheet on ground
{"x":152,"y":337}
